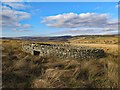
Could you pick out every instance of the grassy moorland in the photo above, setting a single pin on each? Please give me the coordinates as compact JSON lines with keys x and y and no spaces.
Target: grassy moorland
{"x":22,"y":70}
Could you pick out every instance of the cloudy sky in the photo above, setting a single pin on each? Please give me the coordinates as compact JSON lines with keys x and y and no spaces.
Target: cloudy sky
{"x":58,"y":18}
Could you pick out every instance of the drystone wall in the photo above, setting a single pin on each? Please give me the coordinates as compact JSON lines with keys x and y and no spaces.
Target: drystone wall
{"x":63,"y":51}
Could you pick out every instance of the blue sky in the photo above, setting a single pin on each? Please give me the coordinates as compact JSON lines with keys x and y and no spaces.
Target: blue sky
{"x":58,"y":18}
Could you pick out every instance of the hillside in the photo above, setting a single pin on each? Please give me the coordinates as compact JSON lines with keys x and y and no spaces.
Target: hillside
{"x":96,"y":39}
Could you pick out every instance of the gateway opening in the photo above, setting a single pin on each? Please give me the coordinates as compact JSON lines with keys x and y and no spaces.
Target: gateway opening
{"x":37,"y":53}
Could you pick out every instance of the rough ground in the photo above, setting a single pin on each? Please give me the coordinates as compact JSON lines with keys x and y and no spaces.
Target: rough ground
{"x":22,"y":70}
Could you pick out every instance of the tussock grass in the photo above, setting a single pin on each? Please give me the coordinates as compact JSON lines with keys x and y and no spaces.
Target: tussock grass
{"x":22,"y":70}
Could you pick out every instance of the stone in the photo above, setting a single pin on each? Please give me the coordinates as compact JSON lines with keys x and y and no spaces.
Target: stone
{"x":63,"y":51}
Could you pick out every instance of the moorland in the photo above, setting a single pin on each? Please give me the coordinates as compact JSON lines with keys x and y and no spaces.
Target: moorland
{"x":23,"y":70}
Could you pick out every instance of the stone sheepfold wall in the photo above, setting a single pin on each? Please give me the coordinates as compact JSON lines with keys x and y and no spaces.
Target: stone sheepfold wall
{"x":63,"y":51}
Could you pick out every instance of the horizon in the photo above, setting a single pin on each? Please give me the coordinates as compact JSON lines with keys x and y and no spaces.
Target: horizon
{"x":59,"y":19}
{"x":60,"y":36}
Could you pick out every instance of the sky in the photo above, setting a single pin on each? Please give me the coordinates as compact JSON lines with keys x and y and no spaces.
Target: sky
{"x":58,"y":18}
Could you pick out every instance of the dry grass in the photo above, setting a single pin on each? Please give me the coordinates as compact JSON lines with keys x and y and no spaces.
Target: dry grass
{"x":22,"y":70}
{"x":95,"y":40}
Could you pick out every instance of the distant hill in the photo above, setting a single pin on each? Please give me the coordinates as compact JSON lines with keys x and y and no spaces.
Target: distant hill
{"x":42,"y":39}
{"x":59,"y":38}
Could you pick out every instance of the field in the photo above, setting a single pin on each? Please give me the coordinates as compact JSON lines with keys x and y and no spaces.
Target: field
{"x":23,"y":70}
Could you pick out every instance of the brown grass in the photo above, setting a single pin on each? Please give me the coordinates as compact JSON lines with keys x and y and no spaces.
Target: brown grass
{"x":22,"y":70}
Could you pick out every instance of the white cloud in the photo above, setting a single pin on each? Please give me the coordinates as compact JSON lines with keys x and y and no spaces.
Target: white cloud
{"x":86,"y":31}
{"x":83,"y":20}
{"x":12,"y":0}
{"x":26,"y":25}
{"x":117,"y":6}
{"x":16,"y":5}
{"x":12,"y":18}
{"x":23,"y":25}
{"x":20,"y":30}
{"x":110,"y":29}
